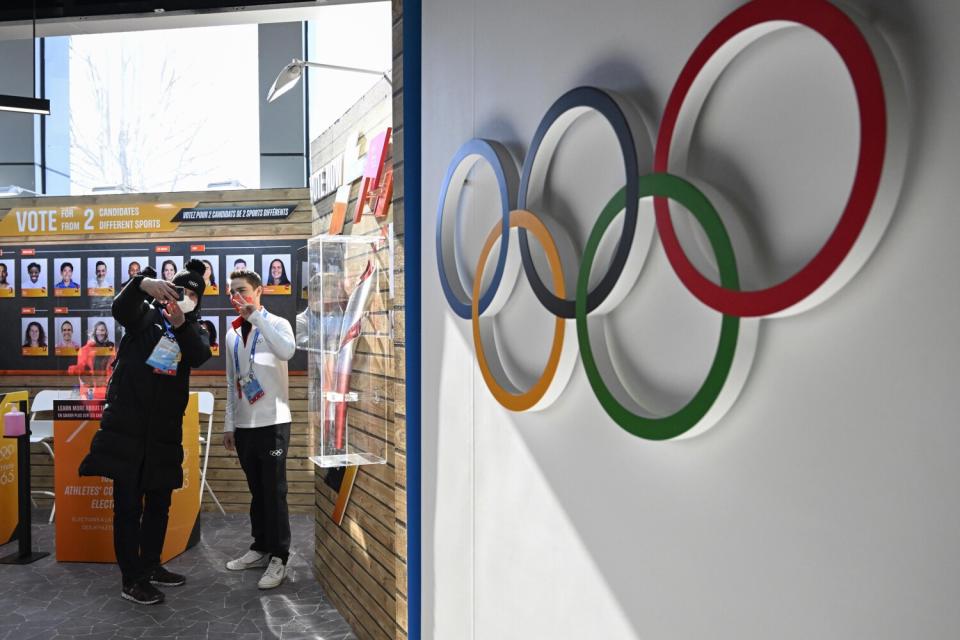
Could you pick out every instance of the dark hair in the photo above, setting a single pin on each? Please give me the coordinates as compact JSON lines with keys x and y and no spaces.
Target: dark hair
{"x":195,"y":266}
{"x":283,"y":273}
{"x":65,"y":323}
{"x":100,"y":262}
{"x":64,"y":266}
{"x":41,"y":340}
{"x":164,"y":264}
{"x":211,"y":329}
{"x":252,"y":277}
{"x":34,"y":264}
{"x":239,"y":260}
{"x":133,"y":262}
{"x":213,"y":274}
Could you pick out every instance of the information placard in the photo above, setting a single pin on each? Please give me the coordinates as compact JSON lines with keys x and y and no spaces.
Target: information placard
{"x":220,"y":214}
{"x":84,"y":524}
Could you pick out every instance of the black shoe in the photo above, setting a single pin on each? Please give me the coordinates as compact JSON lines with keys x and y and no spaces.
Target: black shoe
{"x":166,"y":578}
{"x":142,"y":592}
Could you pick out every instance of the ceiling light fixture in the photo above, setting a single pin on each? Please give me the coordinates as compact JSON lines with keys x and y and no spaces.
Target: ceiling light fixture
{"x":290,"y":75}
{"x":23,"y":104}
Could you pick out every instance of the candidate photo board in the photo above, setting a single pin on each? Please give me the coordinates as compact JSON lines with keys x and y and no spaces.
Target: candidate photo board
{"x":56,"y":299}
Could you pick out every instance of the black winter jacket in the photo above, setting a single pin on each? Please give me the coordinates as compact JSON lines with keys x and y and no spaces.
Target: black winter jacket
{"x":139,"y":440}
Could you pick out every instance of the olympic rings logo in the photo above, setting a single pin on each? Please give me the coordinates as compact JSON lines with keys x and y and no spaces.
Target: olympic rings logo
{"x":868,"y":208}
{"x":8,"y":476}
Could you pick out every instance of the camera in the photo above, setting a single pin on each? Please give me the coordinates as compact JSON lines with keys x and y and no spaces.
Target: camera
{"x":179,"y":293}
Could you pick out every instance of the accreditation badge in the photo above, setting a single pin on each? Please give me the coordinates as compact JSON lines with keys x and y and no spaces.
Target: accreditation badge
{"x":251,"y":388}
{"x":165,"y":356}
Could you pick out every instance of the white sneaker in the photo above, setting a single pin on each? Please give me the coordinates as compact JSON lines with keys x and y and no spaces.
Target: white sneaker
{"x":274,"y":574}
{"x":250,"y":560}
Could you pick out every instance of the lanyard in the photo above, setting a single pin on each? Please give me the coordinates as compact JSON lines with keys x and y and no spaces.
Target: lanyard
{"x":167,"y":328}
{"x":253,"y":349}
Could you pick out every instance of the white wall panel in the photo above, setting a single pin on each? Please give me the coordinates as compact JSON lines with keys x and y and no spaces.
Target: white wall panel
{"x":824,"y":504}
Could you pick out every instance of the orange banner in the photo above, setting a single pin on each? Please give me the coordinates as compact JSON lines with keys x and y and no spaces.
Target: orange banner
{"x":84,"y":524}
{"x":9,"y":514}
{"x":92,"y":218}
{"x":85,"y":505}
{"x":185,"y":508}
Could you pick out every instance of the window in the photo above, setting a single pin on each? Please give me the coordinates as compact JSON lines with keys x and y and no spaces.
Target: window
{"x":353,"y":35}
{"x":166,"y":110}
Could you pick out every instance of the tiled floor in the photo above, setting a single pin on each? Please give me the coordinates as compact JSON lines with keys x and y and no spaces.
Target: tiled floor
{"x":54,"y":600}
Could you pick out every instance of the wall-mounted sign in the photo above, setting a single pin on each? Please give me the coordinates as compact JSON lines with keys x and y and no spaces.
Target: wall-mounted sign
{"x":371,"y":186}
{"x":876,"y":179}
{"x":342,"y":171}
{"x":326,"y":179}
{"x":210,"y":214}
{"x":32,"y":316}
{"x":38,"y":220}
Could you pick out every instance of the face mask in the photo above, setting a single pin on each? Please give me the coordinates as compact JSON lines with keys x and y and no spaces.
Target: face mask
{"x":187,"y":304}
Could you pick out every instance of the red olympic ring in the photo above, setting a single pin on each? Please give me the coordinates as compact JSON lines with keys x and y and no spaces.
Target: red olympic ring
{"x":841,"y":32}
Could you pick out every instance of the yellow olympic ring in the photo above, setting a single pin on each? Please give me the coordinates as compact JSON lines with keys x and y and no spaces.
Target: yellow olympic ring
{"x":517,"y":400}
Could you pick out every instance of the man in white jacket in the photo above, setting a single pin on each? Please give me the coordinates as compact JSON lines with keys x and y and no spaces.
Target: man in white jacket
{"x":257,"y":422}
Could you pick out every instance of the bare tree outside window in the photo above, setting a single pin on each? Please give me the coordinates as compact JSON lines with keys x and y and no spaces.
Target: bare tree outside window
{"x":121,"y":146}
{"x":163,"y":111}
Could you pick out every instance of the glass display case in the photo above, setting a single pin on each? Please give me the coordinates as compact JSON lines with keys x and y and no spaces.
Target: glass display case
{"x":347,"y":331}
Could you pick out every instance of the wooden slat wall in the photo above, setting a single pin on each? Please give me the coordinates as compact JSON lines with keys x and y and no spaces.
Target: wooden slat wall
{"x":362,"y":563}
{"x":224,"y":473}
{"x":400,"y":388}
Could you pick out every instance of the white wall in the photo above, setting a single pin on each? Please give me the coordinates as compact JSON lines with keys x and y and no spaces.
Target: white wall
{"x":824,"y":505}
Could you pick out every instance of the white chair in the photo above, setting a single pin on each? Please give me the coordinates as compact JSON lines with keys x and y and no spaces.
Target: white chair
{"x":206,"y":408}
{"x":41,"y":431}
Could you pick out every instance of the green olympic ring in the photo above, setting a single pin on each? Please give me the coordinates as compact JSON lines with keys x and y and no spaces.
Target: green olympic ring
{"x":671,"y":426}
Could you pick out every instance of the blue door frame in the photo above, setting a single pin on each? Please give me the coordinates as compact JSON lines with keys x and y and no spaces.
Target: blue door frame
{"x":411,"y":245}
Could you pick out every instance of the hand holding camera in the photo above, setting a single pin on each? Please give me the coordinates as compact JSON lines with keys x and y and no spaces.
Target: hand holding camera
{"x":161,"y":290}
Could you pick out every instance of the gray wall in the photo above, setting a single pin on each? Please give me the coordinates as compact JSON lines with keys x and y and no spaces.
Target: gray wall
{"x":19,"y":132}
{"x":282,"y":125}
{"x":824,"y":504}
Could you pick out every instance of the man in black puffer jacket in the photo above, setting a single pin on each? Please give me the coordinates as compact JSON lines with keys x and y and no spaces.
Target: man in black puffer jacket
{"x":139,"y":441}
